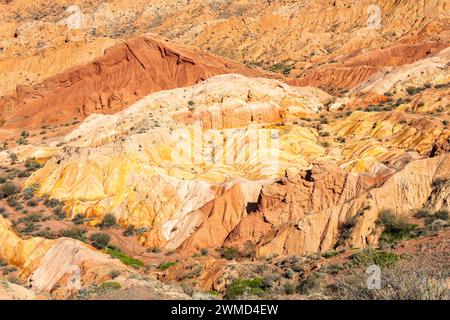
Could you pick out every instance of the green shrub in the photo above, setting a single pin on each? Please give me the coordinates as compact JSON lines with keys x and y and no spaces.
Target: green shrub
{"x":32,"y":165}
{"x":78,"y":219}
{"x":396,"y":228}
{"x":22,"y":140}
{"x":75,"y":233}
{"x":59,"y":213}
{"x":130,"y":231}
{"x":332,"y":268}
{"x":32,"y":203}
{"x":4,"y":213}
{"x":372,"y":108}
{"x":154,"y":250}
{"x":239,"y":287}
{"x":114,"y":274}
{"x":100,"y":240}
{"x":12,"y":202}
{"x":422,"y":213}
{"x":441,"y":215}
{"x":8,"y":189}
{"x":270,"y":280}
{"x":30,"y":191}
{"x":47,"y":234}
{"x":170,"y":253}
{"x":330,"y":254}
{"x":281,"y":68}
{"x":289,"y":288}
{"x":29,"y":228}
{"x":109,"y":286}
{"x":166,"y":265}
{"x":441,"y":85}
{"x":13,"y":158}
{"x":52,"y":203}
{"x":187,"y":288}
{"x":127,"y":260}
{"x":230,"y":253}
{"x":142,"y":230}
{"x":9,"y":270}
{"x":289,"y":273}
{"x":308,"y":285}
{"x":411,"y":90}
{"x":371,"y":256}
{"x":24,"y":174}
{"x":34,"y":217}
{"x":108,"y":221}
{"x":438,"y":183}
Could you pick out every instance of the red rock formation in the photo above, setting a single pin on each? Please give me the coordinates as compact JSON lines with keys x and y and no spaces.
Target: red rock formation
{"x":403,"y":193}
{"x":356,"y":69}
{"x":304,"y":213}
{"x":228,"y":219}
{"x":126,"y":73}
{"x":221,"y":216}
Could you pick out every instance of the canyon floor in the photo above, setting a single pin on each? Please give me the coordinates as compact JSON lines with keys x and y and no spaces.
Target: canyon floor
{"x":224,"y":150}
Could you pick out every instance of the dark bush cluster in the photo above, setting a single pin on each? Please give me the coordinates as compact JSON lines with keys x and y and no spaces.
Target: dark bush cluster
{"x":108,"y":221}
{"x":8,"y":189}
{"x":230,"y":253}
{"x":75,"y":233}
{"x":396,"y":227}
{"x":100,"y":240}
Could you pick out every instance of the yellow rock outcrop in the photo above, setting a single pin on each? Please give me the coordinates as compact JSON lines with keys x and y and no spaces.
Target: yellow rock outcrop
{"x":127,"y":164}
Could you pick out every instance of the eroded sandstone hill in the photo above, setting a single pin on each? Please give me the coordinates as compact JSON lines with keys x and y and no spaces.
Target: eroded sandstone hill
{"x":126,"y":164}
{"x":335,"y":45}
{"x":195,"y":141}
{"x":46,"y":45}
{"x":297,"y":38}
{"x":63,"y":267}
{"x":146,"y":185}
{"x":264,"y":31}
